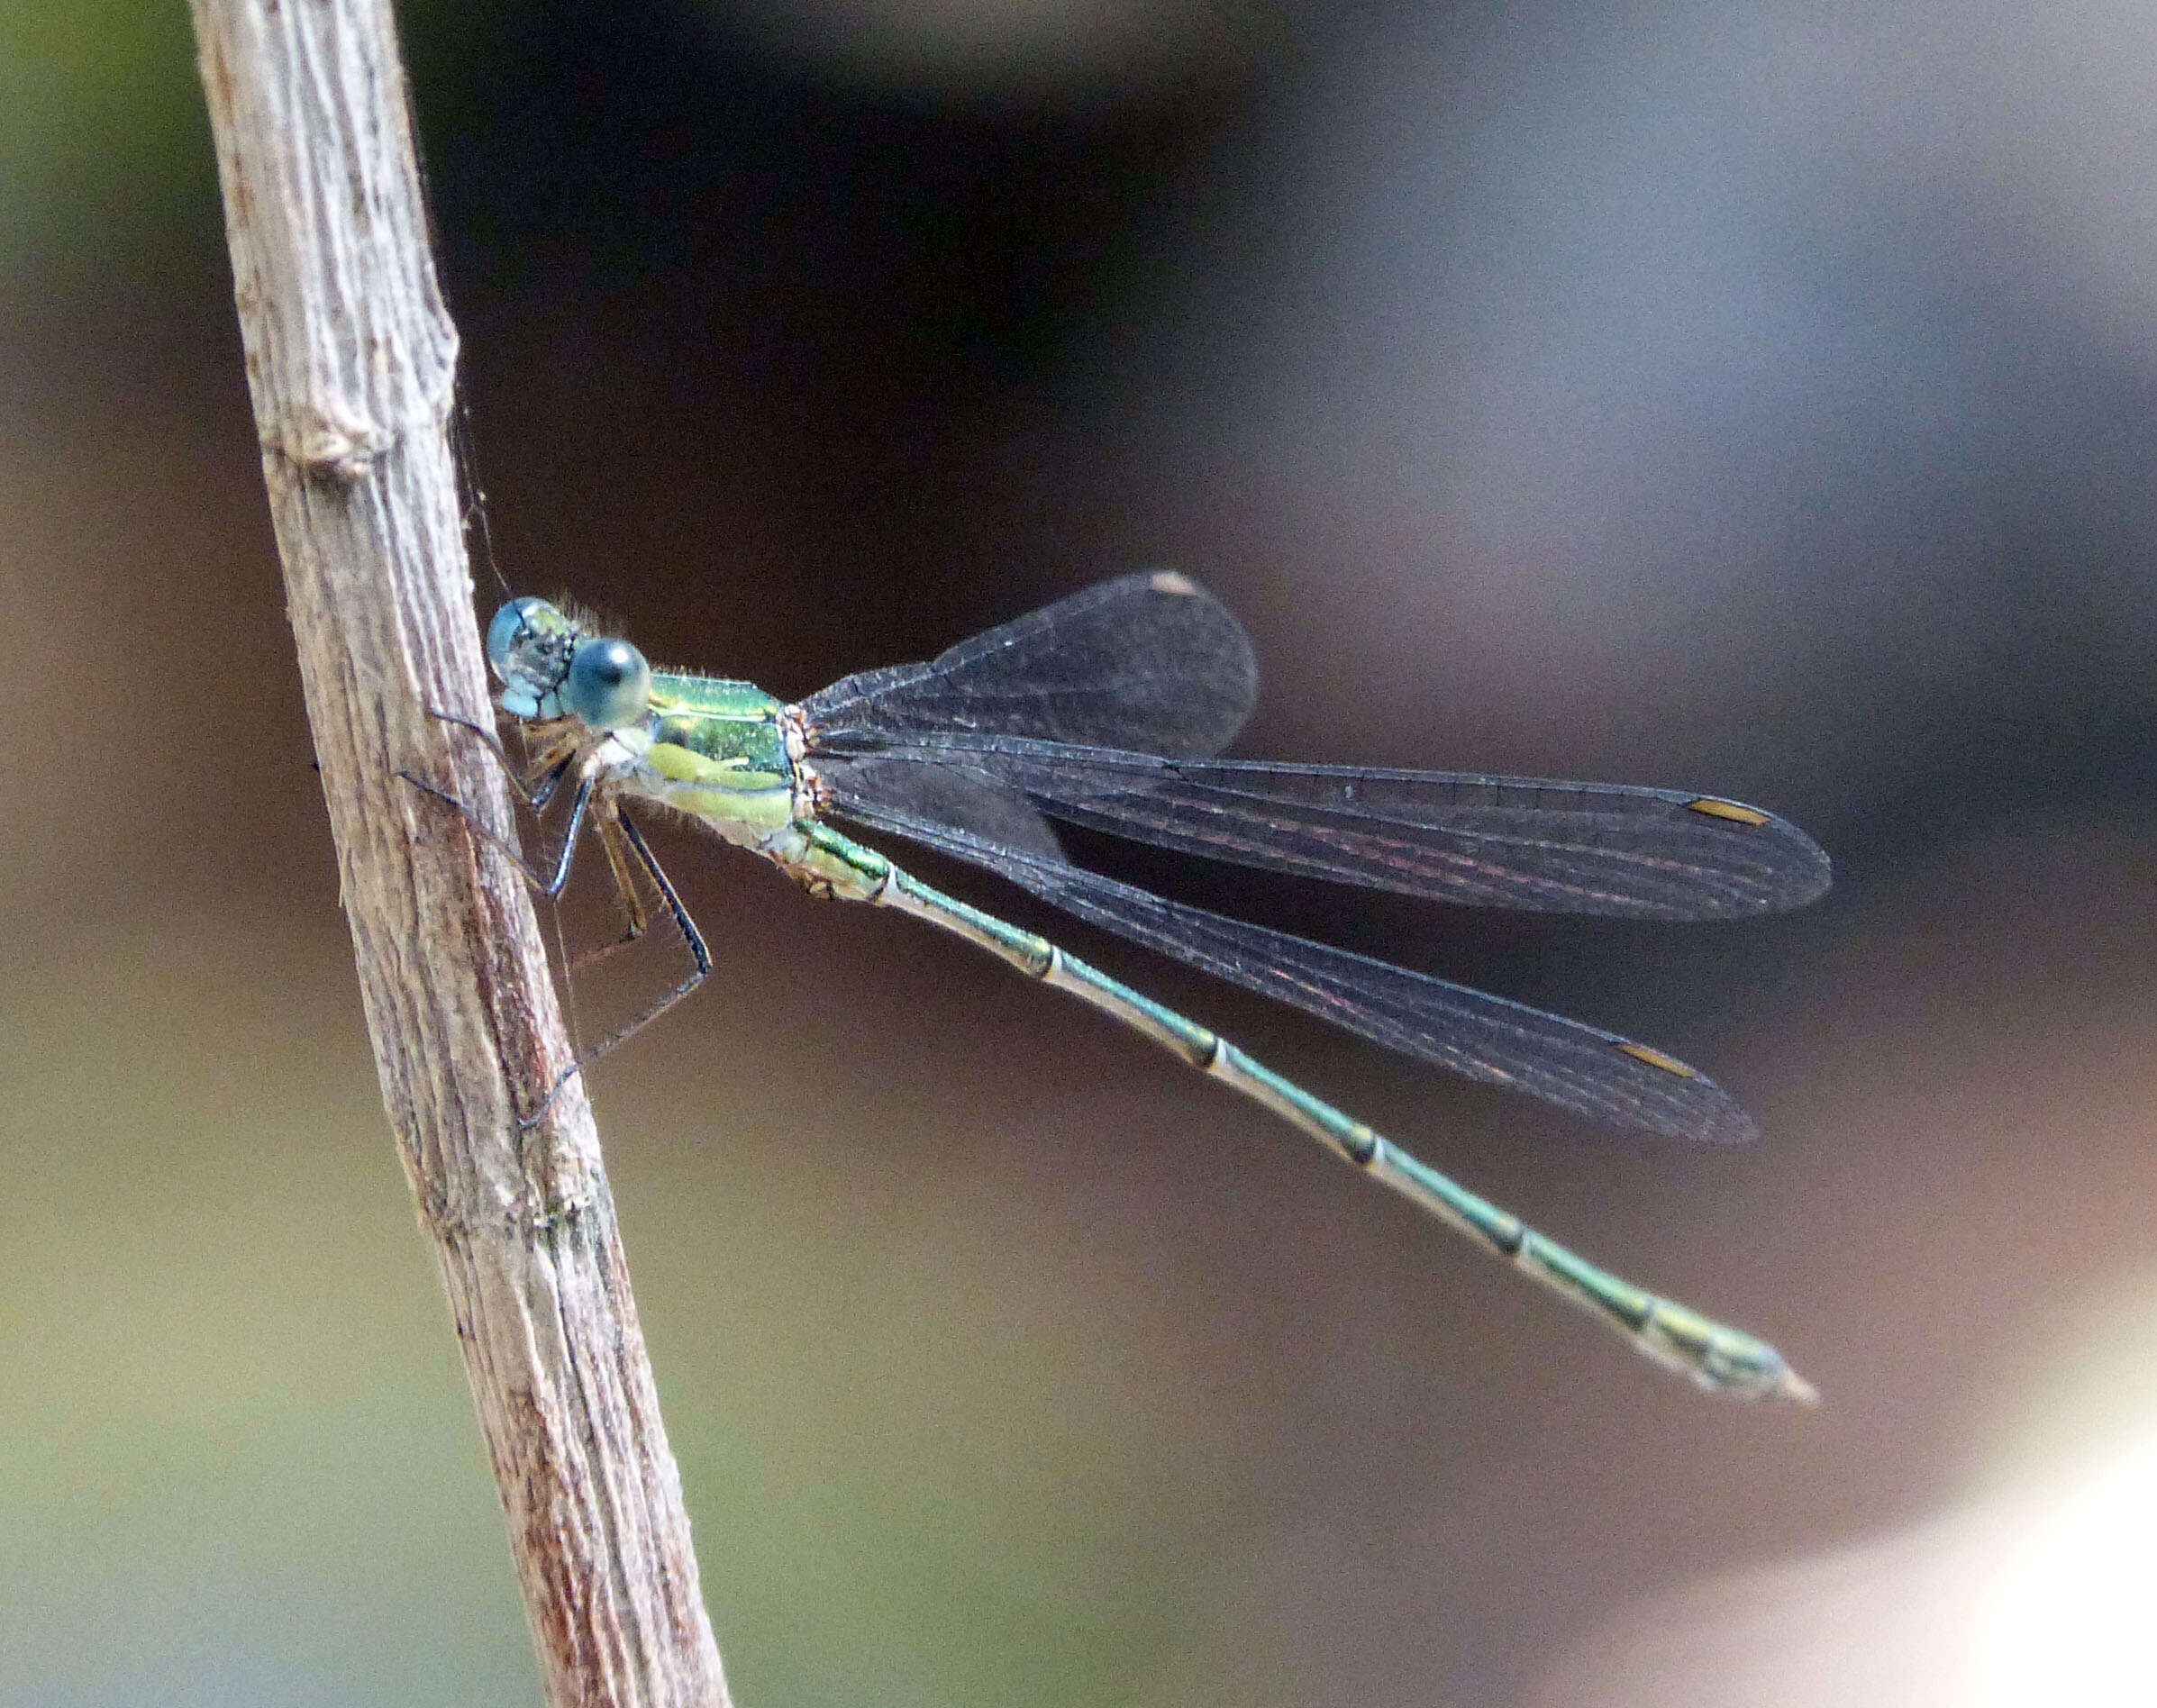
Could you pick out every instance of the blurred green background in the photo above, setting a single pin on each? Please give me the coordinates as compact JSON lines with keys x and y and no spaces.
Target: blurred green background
{"x":1751,"y":398}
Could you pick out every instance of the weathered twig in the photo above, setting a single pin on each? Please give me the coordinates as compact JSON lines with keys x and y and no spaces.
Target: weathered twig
{"x":351,"y":358}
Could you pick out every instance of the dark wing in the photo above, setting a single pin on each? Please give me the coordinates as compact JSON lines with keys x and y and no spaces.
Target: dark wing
{"x":1592,"y":1073}
{"x":1151,"y":662}
{"x":1489,"y":842}
{"x":967,"y":800}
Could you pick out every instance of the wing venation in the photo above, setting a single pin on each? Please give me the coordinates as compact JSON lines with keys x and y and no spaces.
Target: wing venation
{"x":1150,"y":662}
{"x":1485,"y":1038}
{"x":1486,"y":841}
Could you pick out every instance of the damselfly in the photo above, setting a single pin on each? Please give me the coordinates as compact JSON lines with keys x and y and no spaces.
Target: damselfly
{"x":1107,"y":711}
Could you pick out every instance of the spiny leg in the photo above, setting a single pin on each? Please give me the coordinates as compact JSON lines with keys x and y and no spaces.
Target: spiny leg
{"x":635,"y":921}
{"x":551,"y":886}
{"x":1725,"y":1359}
{"x":537,"y":788}
{"x":535,"y":784}
{"x":690,"y":935}
{"x":622,"y":842}
{"x":608,"y":818}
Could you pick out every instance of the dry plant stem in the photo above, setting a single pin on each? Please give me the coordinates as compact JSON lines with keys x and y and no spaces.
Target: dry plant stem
{"x":351,"y":358}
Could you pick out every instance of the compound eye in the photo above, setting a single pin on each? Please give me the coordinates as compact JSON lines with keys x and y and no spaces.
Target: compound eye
{"x":609,"y":685}
{"x":519,"y":622}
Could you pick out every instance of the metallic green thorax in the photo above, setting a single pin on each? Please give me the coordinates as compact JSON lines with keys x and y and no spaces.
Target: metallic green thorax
{"x":719,"y":720}
{"x":719,"y":753}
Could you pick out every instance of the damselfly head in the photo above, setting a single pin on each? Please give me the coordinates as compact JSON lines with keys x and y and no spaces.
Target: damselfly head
{"x":550,"y":668}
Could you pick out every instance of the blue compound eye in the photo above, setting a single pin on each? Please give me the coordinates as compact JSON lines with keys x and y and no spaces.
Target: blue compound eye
{"x":528,"y":648}
{"x":609,"y":683}
{"x":516,"y":625}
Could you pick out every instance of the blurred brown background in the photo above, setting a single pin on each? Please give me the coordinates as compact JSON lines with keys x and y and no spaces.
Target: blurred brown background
{"x":1756,"y":398}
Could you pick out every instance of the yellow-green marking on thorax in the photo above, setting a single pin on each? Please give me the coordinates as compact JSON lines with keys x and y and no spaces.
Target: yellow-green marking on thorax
{"x":720,"y":750}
